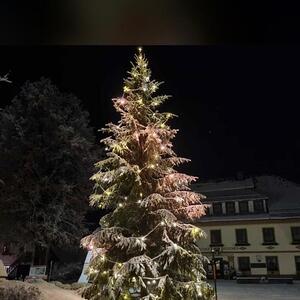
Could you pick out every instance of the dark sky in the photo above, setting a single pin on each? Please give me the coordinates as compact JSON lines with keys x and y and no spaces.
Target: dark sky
{"x":237,"y":105}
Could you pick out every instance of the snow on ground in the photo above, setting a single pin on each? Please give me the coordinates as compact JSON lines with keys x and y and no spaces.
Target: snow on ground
{"x":49,"y":291}
{"x":230,"y":290}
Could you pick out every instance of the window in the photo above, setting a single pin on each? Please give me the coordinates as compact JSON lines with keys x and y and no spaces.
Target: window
{"x":217,"y":208}
{"x":230,"y":208}
{"x":272,"y":264}
{"x":244,"y":263}
{"x":297,"y":262}
{"x":258,"y":206}
{"x":295,"y":235}
{"x":241,"y":237}
{"x":243,"y":206}
{"x":215,"y":237}
{"x":269,"y":236}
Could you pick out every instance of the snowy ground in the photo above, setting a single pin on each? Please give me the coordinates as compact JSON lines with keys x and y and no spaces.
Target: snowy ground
{"x":230,"y":290}
{"x":48,"y":291}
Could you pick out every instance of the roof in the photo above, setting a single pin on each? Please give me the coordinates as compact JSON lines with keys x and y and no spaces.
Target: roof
{"x":229,"y":191}
{"x":283,"y":196}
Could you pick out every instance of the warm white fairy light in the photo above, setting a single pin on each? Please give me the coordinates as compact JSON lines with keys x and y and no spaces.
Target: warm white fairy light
{"x":126,"y":89}
{"x":162,"y":223}
{"x":120,"y":205}
{"x":139,"y":201}
{"x":140,"y":49}
{"x":153,"y":281}
{"x":106,"y":148}
{"x":147,"y":78}
{"x":122,"y":101}
{"x":162,"y":147}
{"x":141,"y":194}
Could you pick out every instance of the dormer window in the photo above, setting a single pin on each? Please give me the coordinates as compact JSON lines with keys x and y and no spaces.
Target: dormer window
{"x":217,"y":209}
{"x":243,"y":207}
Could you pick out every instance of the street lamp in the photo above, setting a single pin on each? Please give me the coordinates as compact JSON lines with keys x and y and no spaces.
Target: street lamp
{"x":214,"y":272}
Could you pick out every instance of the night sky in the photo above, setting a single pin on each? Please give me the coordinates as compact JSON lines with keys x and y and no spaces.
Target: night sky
{"x":237,"y":105}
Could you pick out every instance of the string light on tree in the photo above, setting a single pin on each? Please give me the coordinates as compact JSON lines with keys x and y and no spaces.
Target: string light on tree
{"x":152,"y":233}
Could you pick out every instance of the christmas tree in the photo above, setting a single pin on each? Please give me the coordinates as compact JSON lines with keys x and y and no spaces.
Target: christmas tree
{"x":145,"y":248}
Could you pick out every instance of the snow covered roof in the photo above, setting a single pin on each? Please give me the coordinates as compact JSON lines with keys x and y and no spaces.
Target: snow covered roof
{"x":283,"y":196}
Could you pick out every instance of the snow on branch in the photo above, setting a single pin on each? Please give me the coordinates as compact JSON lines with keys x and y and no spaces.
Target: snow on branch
{"x":5,"y":78}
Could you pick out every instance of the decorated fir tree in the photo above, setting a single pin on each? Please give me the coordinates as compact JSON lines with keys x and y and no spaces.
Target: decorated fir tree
{"x":145,"y":248}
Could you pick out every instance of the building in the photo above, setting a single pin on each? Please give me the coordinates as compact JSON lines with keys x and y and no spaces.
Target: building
{"x":253,"y":226}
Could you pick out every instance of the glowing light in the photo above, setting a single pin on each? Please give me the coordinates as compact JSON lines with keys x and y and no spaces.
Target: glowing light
{"x":120,"y":265}
{"x":143,"y":238}
{"x":154,"y":87}
{"x":153,"y":281}
{"x":139,"y":201}
{"x":163,"y":125}
{"x":126,"y":89}
{"x":107,"y":193}
{"x":140,"y":49}
{"x":174,"y":224}
{"x":155,"y":103}
{"x":147,"y":78}
{"x":162,"y":223}
{"x":148,"y":282}
{"x":151,"y":166}
{"x":122,"y":101}
{"x":104,"y":272}
{"x":120,"y":205}
{"x":106,"y":148}
{"x":141,"y":194}
{"x":187,"y":286}
{"x":162,"y":147}
{"x":169,"y":115}
{"x":144,"y":88}
{"x":175,"y":246}
{"x":125,"y":198}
